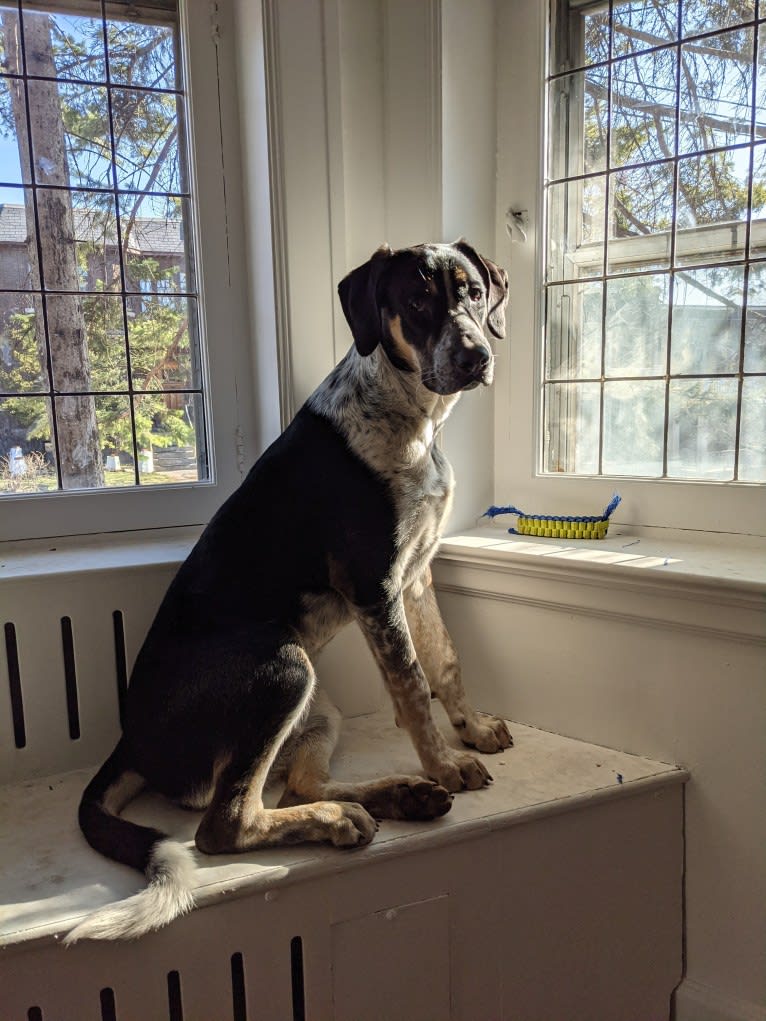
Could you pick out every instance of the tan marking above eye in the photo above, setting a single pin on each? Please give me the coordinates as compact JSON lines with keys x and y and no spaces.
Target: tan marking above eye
{"x":460,"y":275}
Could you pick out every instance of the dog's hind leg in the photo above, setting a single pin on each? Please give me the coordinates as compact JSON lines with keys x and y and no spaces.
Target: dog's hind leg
{"x":440,"y":663}
{"x":237,"y":820}
{"x":308,"y":775}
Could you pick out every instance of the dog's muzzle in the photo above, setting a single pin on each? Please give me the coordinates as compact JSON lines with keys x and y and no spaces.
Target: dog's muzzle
{"x":475,"y":364}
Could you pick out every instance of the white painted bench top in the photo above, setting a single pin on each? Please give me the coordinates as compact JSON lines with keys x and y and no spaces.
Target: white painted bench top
{"x":50,"y":878}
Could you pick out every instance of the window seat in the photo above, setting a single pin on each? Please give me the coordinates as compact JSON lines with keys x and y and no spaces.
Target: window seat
{"x":49,"y":877}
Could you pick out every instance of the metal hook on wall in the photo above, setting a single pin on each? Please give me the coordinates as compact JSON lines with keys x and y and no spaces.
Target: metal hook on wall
{"x":517,"y":222}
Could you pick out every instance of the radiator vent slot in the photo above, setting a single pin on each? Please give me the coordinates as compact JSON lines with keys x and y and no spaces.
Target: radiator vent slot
{"x":175,"y":1008}
{"x":296,"y":973}
{"x":238,"y":998}
{"x":14,"y":684}
{"x":70,"y":678}
{"x":108,"y":1010}
{"x":120,"y":662}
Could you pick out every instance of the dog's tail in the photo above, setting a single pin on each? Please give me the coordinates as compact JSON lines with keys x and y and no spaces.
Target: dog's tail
{"x":168,"y":865}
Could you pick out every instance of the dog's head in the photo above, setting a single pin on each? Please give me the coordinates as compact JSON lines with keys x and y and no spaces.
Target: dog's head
{"x":432,"y":308}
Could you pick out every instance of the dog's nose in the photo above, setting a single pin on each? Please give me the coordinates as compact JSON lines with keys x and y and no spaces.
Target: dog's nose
{"x":473,"y":359}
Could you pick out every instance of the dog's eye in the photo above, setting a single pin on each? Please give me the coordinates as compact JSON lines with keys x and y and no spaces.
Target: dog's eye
{"x":416,"y":304}
{"x":475,"y":293}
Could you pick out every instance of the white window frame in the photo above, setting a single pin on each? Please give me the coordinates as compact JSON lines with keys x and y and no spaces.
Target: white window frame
{"x":718,"y":508}
{"x":208,"y":44}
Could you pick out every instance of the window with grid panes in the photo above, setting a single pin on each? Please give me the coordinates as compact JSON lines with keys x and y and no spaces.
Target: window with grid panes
{"x":655,"y":276}
{"x":100,"y":366}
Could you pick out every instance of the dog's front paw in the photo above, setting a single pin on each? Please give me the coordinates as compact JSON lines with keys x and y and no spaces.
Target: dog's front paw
{"x":461,"y":771}
{"x":486,"y":734}
{"x":353,"y":827}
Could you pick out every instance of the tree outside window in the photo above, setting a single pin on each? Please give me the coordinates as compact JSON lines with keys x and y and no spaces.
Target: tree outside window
{"x":655,"y":360}
{"x":100,"y":379}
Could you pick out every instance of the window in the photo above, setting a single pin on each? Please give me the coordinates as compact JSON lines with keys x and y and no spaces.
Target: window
{"x":101,"y":381}
{"x":655,"y":279}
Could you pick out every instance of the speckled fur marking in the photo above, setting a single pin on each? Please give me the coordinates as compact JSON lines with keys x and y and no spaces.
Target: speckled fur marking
{"x":439,"y":660}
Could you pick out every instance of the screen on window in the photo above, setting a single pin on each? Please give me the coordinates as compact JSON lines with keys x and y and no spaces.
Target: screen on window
{"x":655,"y":271}
{"x":100,"y":370}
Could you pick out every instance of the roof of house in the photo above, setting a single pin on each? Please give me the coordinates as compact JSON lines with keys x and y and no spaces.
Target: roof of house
{"x":148,"y":235}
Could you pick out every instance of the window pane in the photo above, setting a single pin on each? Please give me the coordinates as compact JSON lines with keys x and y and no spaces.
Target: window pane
{"x":636,"y":328}
{"x":18,"y":240}
{"x":716,"y":91}
{"x":143,"y":55}
{"x":26,"y":460}
{"x":758,"y":228}
{"x":633,"y":428}
{"x":14,"y":154}
{"x":81,"y":249}
{"x":76,"y":50}
{"x":755,"y":327}
{"x":641,"y":210}
{"x":572,"y":424}
{"x":70,"y":134}
{"x":171,"y":443}
{"x":641,"y":24}
{"x":643,"y":108}
{"x":702,"y":418}
{"x":92,"y":327}
{"x":10,"y":51}
{"x":146,"y":140}
{"x":752,"y":438}
{"x":160,"y":349}
{"x":576,"y":229}
{"x":574,"y":331}
{"x":712,"y":191}
{"x":596,"y":36}
{"x":707,"y":321}
{"x":581,"y":98}
{"x":699,"y":17}
{"x":23,"y":364}
{"x":155,"y":255}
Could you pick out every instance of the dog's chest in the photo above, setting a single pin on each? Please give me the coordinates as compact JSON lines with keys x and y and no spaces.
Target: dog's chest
{"x":422,"y":497}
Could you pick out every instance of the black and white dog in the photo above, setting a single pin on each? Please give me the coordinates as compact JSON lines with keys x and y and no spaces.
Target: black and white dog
{"x":223,"y":691}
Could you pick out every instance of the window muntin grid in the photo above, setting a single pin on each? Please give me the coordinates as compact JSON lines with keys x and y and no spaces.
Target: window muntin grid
{"x":655,"y":308}
{"x":96,"y":252}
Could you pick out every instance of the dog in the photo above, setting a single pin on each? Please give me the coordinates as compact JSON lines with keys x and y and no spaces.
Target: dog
{"x":223,"y":692}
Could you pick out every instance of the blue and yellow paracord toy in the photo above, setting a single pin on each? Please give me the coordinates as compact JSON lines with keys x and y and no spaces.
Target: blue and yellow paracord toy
{"x":558,"y":527}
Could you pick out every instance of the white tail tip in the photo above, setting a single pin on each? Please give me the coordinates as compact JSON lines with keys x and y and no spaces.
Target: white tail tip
{"x":168,"y":895}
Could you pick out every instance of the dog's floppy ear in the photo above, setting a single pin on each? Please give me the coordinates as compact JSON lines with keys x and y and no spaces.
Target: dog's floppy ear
{"x":359,"y":297}
{"x":496,"y":282}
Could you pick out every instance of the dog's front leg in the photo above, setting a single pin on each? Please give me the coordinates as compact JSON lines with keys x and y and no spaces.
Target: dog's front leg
{"x":386,"y":631}
{"x":439,"y":660}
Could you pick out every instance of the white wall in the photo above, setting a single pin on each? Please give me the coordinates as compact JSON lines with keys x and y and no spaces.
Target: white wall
{"x":655,"y":672}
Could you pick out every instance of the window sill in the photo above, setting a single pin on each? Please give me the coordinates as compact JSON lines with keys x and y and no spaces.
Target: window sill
{"x":108,"y":551}
{"x":669,"y":578}
{"x":673,"y":581}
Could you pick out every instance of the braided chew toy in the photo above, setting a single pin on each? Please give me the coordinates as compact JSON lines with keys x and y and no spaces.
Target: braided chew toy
{"x":558,"y":528}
